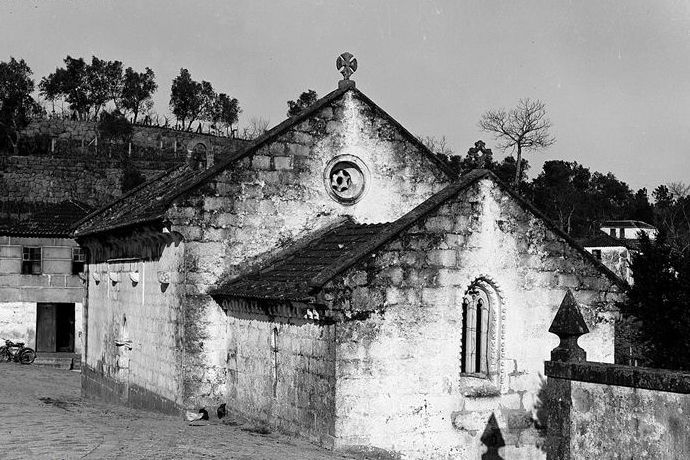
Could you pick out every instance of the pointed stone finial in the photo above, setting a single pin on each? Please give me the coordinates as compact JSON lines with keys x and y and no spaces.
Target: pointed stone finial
{"x":492,"y":439}
{"x":568,"y":325}
{"x":346,"y":65}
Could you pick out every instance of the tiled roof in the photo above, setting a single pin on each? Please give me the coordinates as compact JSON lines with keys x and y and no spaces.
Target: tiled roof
{"x":602,"y":240}
{"x":149,"y":201}
{"x":291,"y":276}
{"x":302,"y":272}
{"x":47,"y":220}
{"x":627,"y":224}
{"x":323,"y":258}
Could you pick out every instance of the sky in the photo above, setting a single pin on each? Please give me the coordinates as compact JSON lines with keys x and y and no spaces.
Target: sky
{"x":615,"y":75}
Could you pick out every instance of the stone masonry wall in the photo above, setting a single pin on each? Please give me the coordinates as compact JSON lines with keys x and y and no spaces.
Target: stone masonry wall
{"x":266,"y":202}
{"x":399,"y":385}
{"x":134,"y":329}
{"x":598,"y":410}
{"x":146,"y":136}
{"x":65,"y":163}
{"x":18,"y":322}
{"x":290,"y":384}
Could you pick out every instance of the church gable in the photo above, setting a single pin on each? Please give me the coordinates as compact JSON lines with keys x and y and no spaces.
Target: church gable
{"x":345,"y":157}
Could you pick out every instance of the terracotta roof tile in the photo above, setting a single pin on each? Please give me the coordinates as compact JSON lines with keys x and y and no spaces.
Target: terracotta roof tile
{"x":47,"y":220}
{"x":290,"y":276}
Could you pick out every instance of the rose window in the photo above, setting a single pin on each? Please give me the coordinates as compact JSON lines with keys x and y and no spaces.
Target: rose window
{"x":341,"y":180}
{"x":345,"y":178}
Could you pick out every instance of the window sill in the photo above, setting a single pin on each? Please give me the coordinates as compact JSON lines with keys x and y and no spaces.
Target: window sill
{"x":478,"y":386}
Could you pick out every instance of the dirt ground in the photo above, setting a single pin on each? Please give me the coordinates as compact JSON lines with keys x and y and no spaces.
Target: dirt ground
{"x":44,"y":416}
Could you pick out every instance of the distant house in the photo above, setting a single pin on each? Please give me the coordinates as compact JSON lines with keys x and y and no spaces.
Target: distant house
{"x":614,"y":253}
{"x":628,"y":229}
{"x":41,"y":293}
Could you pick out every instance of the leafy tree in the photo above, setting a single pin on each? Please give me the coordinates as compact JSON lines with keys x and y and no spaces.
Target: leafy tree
{"x":114,"y":126}
{"x":223,"y":111}
{"x":662,"y":197}
{"x":16,"y":103}
{"x":131,"y":176}
{"x":104,"y":82}
{"x":304,"y":100}
{"x":83,"y":86}
{"x":68,"y":83}
{"x":524,"y":127}
{"x":659,"y":302}
{"x":672,"y":215}
{"x":641,"y":208}
{"x":189,"y":99}
{"x":137,"y":89}
{"x":561,"y":191}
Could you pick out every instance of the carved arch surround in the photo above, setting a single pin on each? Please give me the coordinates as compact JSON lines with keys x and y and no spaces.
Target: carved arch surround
{"x":496,"y":351}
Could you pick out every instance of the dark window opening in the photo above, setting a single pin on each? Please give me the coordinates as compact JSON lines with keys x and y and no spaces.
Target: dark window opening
{"x":78,"y":260}
{"x":612,"y":232}
{"x":31,"y":261}
{"x":596,"y":253}
{"x":274,"y":350}
{"x":476,"y":318}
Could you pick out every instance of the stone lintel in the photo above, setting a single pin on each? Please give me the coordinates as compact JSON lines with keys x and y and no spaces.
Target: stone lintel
{"x":619,"y":375}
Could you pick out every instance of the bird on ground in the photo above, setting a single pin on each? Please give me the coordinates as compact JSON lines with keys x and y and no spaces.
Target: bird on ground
{"x":222,"y":411}
{"x":194,"y":416}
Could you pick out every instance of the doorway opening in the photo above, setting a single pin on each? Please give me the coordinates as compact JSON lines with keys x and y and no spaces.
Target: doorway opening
{"x":55,"y":327}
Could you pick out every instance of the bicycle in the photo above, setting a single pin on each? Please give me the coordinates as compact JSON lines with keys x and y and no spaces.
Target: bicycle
{"x":24,"y":355}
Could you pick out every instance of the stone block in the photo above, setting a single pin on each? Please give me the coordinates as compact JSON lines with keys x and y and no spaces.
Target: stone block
{"x":298,"y":149}
{"x":567,"y":280}
{"x":439,"y":224}
{"x":448,"y":277}
{"x":442,"y":257}
{"x":282,"y":163}
{"x":261,"y":162}
{"x":511,"y":401}
{"x":437,"y":296}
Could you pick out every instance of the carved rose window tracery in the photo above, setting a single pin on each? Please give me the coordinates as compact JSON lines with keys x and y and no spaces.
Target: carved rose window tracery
{"x":346,"y":179}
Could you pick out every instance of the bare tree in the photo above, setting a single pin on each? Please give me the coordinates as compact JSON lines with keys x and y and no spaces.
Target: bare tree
{"x":438,"y":145}
{"x":678,"y":190}
{"x":524,"y":127}
{"x":256,"y":127}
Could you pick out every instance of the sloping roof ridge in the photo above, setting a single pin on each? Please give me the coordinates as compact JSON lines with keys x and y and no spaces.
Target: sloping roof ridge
{"x":452,"y":174}
{"x":248,"y":149}
{"x":129,"y":193}
{"x":251,"y":148}
{"x":398,"y":226}
{"x":296,"y":119}
{"x":437,"y":200}
{"x":290,"y":251}
{"x":528,"y":206}
{"x":268,"y":136}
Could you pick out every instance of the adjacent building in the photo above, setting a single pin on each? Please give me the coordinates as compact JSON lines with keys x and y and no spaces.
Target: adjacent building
{"x":628,"y":229}
{"x":42,"y":279}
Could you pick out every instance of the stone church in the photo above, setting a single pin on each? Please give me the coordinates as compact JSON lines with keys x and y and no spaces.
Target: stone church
{"x":336,"y":280}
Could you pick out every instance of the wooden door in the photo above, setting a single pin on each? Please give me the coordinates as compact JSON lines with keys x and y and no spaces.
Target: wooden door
{"x":45,"y":328}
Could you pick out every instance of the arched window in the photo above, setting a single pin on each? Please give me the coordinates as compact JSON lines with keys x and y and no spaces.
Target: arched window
{"x":479,"y":329}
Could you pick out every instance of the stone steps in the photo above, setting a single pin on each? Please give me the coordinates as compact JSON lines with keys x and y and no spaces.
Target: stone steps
{"x":67,"y":361}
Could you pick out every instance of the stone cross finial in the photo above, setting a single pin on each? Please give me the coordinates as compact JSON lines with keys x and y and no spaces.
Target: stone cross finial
{"x":346,"y":65}
{"x":568,"y":325}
